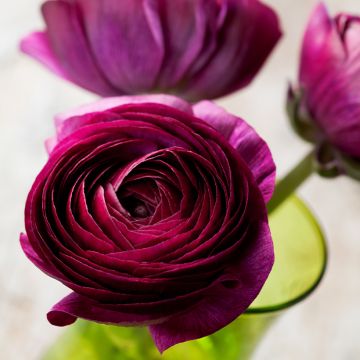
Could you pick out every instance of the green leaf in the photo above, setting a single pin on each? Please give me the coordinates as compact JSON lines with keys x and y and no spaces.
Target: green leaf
{"x":300,"y":260}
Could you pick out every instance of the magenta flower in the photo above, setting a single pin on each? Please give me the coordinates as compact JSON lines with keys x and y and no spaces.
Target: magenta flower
{"x":153,"y":212}
{"x":328,"y":111}
{"x":193,"y":48}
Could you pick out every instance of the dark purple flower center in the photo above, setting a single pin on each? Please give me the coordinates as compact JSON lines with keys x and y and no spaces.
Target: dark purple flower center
{"x":136,"y":208}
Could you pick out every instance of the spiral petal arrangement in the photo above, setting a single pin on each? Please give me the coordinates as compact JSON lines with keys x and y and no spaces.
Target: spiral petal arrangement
{"x":153,"y":214}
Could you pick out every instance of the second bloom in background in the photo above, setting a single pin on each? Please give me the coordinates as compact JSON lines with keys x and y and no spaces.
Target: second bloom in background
{"x":325,"y":108}
{"x":197,"y":49}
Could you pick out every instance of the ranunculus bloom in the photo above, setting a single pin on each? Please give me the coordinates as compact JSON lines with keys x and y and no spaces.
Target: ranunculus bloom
{"x":153,"y":212}
{"x":329,"y":92}
{"x":197,"y":49}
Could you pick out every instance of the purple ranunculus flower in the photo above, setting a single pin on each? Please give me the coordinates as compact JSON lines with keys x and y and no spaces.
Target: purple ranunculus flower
{"x":196,"y":49}
{"x":327,"y":101}
{"x":152,"y":211}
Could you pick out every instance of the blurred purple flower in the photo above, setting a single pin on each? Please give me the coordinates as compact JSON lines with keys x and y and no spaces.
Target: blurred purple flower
{"x":197,"y":49}
{"x":328,"y":95}
{"x":153,"y":212}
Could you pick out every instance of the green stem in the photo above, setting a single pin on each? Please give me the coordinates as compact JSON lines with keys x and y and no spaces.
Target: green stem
{"x":287,"y":186}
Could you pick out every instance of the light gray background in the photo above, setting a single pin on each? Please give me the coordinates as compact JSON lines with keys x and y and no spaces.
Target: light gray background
{"x":325,"y":326}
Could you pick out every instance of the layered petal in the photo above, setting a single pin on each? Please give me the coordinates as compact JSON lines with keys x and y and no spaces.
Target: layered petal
{"x":73,"y":120}
{"x":184,"y":28}
{"x":149,"y":213}
{"x":37,"y":46}
{"x":322,"y":48}
{"x":193,"y":48}
{"x":228,"y":298}
{"x":65,"y":36}
{"x":126,"y":41}
{"x":73,"y":306}
{"x":248,"y":34}
{"x":245,"y":140}
{"x":330,"y":78}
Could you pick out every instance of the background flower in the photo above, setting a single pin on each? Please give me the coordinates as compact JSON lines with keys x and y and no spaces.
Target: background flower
{"x":329,"y":94}
{"x":153,"y":212}
{"x":193,"y":48}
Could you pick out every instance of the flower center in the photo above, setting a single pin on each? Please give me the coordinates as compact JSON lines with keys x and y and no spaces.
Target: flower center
{"x":136,"y":207}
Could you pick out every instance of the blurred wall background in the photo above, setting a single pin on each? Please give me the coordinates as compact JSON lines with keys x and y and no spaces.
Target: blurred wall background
{"x":325,"y":326}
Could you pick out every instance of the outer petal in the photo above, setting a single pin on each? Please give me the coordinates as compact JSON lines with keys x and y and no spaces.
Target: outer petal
{"x":112,"y":102}
{"x":225,"y":301}
{"x":264,"y":36}
{"x":73,"y":306}
{"x":351,"y":37}
{"x":36,"y":260}
{"x":127,"y":41}
{"x":108,"y":104}
{"x":69,"y":46}
{"x":37,"y":46}
{"x":184,"y":23}
{"x":249,"y":33}
{"x":242,"y":137}
{"x":322,"y":47}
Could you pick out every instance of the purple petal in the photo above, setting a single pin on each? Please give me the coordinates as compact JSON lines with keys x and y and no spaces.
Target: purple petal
{"x":230,"y":296}
{"x":30,"y":253}
{"x":184,"y":26}
{"x":322,"y":46}
{"x":37,"y":46}
{"x":74,"y":306}
{"x":69,"y":46}
{"x":110,"y":103}
{"x":242,"y":137}
{"x":247,"y":36}
{"x":351,"y":36}
{"x":36,"y":260}
{"x":265,"y":35}
{"x":126,"y":40}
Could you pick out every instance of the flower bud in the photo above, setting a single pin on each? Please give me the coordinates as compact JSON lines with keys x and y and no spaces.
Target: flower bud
{"x":325,"y":107}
